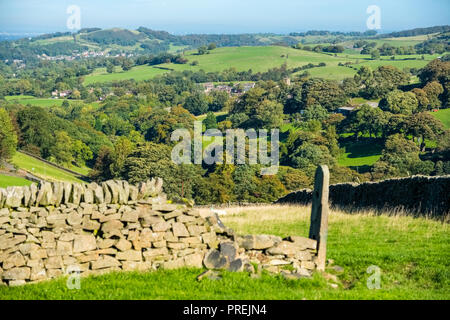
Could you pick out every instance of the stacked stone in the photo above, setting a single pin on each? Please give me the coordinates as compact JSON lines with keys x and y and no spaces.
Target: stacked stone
{"x":293,"y":256}
{"x":57,"y":193}
{"x":48,"y":230}
{"x":416,"y":194}
{"x":43,"y":243}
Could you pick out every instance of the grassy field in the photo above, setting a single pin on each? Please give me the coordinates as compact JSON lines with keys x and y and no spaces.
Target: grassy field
{"x":41,"y":169}
{"x":6,"y":181}
{"x":412,"y":253}
{"x":260,"y":59}
{"x":40,"y":102}
{"x":444,"y":116}
{"x":138,"y":73}
{"x":360,"y":154}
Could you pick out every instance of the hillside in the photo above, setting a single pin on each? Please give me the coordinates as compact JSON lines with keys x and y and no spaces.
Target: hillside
{"x":261,"y":59}
{"x":44,"y":170}
{"x":147,"y":41}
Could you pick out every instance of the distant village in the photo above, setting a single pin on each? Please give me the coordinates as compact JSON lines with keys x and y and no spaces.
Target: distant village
{"x":83,"y":55}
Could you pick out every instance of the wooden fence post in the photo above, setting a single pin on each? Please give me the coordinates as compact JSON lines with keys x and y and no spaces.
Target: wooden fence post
{"x":319,"y":214}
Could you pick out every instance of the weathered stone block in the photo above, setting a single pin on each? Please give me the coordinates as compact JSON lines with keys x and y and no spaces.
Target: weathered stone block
{"x":131,"y":216}
{"x":194,"y":260}
{"x":14,"y":260}
{"x":161,"y":226}
{"x":84,"y":243}
{"x":303,"y":242}
{"x":89,"y":224}
{"x":105,"y":262}
{"x":64,"y":248}
{"x":123,"y":245}
{"x":215,"y":260}
{"x":113,"y":225}
{"x":258,"y":242}
{"x":164,"y":207}
{"x":132,"y":255}
{"x":22,"y":273}
{"x":179,"y":230}
{"x":54,"y":263}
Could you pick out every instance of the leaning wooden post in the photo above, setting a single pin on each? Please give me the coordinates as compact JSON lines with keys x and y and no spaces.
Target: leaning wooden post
{"x":318,"y":229}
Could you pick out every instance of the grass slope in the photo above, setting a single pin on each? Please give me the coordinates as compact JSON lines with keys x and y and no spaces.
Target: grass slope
{"x":412,"y":253}
{"x":360,"y":154}
{"x":42,"y":169}
{"x":40,"y":102}
{"x":261,"y":59}
{"x":444,"y":116}
{"x":6,"y":181}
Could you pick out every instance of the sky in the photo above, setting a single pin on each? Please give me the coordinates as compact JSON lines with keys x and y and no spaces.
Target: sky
{"x":222,"y":16}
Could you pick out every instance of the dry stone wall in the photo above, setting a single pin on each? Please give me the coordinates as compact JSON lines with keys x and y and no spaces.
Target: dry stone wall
{"x":418,"y":194}
{"x":48,"y":229}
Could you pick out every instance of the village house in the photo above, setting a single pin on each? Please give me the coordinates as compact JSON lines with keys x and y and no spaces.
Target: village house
{"x":208,"y":87}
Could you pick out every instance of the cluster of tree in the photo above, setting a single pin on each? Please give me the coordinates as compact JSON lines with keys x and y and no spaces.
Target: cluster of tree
{"x":321,"y":48}
{"x":120,"y":37}
{"x":438,"y":44}
{"x":128,"y":134}
{"x":206,"y":49}
{"x":23,"y":50}
{"x":416,"y":32}
{"x":388,"y":50}
{"x":49,"y":136}
{"x":198,"y":40}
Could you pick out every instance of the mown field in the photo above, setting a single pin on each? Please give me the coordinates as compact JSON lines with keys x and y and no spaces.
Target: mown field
{"x":444,"y":116}
{"x":361,"y":154}
{"x":40,"y":102}
{"x":44,"y":170}
{"x":6,"y":181}
{"x":412,"y":254}
{"x":260,"y":59}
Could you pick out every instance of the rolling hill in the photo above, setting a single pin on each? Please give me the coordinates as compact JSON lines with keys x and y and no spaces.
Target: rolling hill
{"x":261,"y":59}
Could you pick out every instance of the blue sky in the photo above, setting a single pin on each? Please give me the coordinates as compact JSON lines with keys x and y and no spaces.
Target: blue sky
{"x":222,"y":16}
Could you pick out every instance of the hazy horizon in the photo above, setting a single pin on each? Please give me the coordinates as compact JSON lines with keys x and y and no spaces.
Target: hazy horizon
{"x":213,"y":16}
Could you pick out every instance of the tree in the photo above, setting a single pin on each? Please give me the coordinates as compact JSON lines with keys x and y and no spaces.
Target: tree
{"x":375,"y":54}
{"x":210,"y":121}
{"x":75,"y":94}
{"x":122,"y":148}
{"x":400,"y":157}
{"x":110,"y":68}
{"x":61,"y":150}
{"x":202,"y":50}
{"x":294,"y":179}
{"x":433,"y":90}
{"x":127,"y":64}
{"x":424,"y":126}
{"x":422,"y":99}
{"x":102,"y":168}
{"x":81,"y":152}
{"x":368,"y":120}
{"x":327,"y":93}
{"x":218,"y":100}
{"x":316,"y":112}
{"x":8,"y":137}
{"x":267,"y":115}
{"x":154,"y":160}
{"x":35,"y":127}
{"x":436,"y":70}
{"x":196,"y":103}
{"x":399,"y":102}
{"x":350,"y":87}
{"x":212,"y":46}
